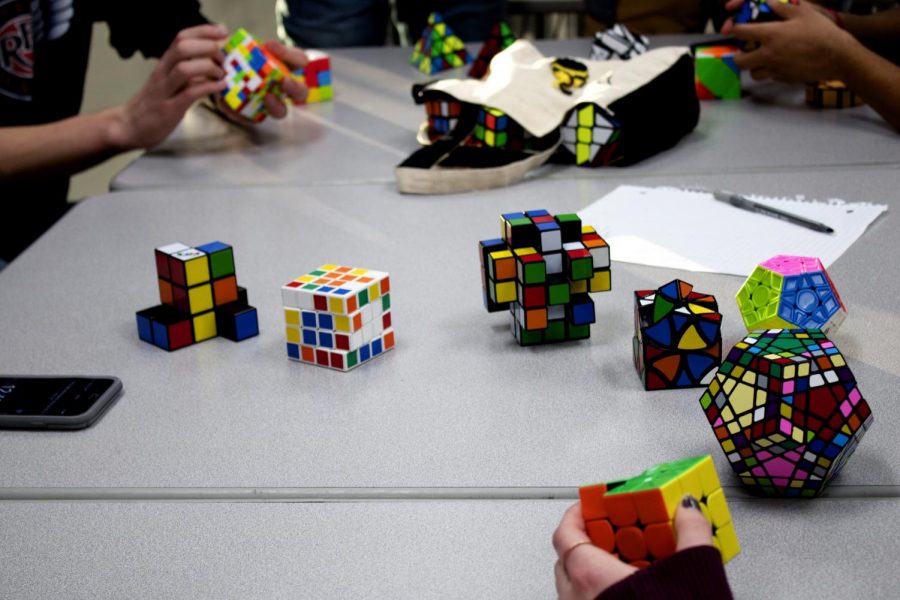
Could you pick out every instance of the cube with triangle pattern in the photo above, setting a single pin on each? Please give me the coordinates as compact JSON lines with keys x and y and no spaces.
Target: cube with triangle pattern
{"x":716,"y":76}
{"x":439,"y":48}
{"x":677,"y":336}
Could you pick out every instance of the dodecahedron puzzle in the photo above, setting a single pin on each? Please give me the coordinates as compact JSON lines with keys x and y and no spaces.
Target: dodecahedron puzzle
{"x":787,"y":411}
{"x":542,"y":269}
{"x":633,"y":518}
{"x":338,"y":317}
{"x":439,"y":48}
{"x":316,"y":76}
{"x":758,"y":11}
{"x":200,"y":298}
{"x":716,"y":76}
{"x":251,"y":72}
{"x":496,"y":129}
{"x":500,"y":38}
{"x":617,"y":42}
{"x":831,"y":94}
{"x":591,"y":134}
{"x":677,"y":339}
{"x":791,"y":291}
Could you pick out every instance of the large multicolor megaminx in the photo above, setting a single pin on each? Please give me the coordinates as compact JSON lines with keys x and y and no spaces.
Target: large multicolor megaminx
{"x":251,"y":72}
{"x":542,"y":270}
{"x":790,"y":291}
{"x":338,"y":317}
{"x":439,"y":48}
{"x":786,"y":410}
{"x":677,"y":336}
{"x":633,"y":517}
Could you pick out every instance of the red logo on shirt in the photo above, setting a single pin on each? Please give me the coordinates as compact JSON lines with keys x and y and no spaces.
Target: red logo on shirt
{"x":16,"y":49}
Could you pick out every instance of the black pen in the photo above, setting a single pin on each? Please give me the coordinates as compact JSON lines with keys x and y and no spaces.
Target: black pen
{"x":738,"y":201}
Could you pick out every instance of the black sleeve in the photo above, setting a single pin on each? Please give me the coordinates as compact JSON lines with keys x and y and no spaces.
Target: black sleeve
{"x":693,"y":574}
{"x":147,"y":26}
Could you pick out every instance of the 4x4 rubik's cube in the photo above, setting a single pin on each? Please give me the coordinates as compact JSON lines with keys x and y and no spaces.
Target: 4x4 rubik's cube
{"x":786,"y":410}
{"x":338,"y":317}
{"x":677,"y":338}
{"x":633,"y":518}
{"x":200,"y":298}
{"x":251,"y":73}
{"x":542,"y":269}
{"x":790,"y":291}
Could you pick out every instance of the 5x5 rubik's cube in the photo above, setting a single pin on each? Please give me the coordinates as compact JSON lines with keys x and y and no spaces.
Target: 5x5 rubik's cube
{"x":633,"y":518}
{"x":542,"y":269}
{"x":338,"y":317}
{"x":200,"y":298}
{"x":251,"y":72}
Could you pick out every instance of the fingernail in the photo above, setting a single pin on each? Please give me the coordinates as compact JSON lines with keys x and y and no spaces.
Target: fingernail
{"x":690,"y":502}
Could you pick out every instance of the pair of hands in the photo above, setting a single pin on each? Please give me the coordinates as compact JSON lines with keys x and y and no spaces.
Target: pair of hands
{"x":588,"y":571}
{"x":803,"y":47}
{"x":189,"y":70}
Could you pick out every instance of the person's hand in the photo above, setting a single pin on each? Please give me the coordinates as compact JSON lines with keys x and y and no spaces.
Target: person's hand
{"x":584,"y":571}
{"x":293,"y":58}
{"x":190,"y":69}
{"x":803,"y":47}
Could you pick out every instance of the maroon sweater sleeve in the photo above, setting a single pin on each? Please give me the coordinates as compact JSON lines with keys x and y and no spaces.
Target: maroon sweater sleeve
{"x":692,"y":574}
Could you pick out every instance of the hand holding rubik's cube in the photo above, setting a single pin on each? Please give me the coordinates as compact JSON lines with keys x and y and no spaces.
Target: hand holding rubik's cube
{"x":259,"y":78}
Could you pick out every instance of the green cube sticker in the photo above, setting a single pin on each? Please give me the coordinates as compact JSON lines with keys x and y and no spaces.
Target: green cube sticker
{"x":582,"y":268}
{"x":535,"y":272}
{"x":559,"y":294}
{"x":556,"y":331}
{"x":386,"y":302}
{"x":222,"y":263}
{"x":363,"y":298}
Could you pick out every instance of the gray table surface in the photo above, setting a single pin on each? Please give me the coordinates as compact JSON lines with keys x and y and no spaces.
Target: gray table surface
{"x":429,"y":549}
{"x":370,"y":127}
{"x":458,"y":403}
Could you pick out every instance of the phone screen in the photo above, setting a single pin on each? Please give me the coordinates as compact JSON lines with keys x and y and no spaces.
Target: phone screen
{"x":62,"y":396}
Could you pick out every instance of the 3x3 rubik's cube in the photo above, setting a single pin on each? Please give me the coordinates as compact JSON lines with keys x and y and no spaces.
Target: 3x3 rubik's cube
{"x":200,"y":298}
{"x":316,"y":76}
{"x":677,"y":339}
{"x":542,"y":269}
{"x":338,"y":317}
{"x":633,"y":518}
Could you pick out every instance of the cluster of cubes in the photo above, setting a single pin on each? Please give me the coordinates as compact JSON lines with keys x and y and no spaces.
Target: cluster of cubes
{"x":200,"y":298}
{"x":494,"y":128}
{"x":677,"y":336}
{"x":251,"y":73}
{"x":542,"y":269}
{"x":500,"y":38}
{"x":338,"y":317}
{"x":789,"y":292}
{"x":633,"y":518}
{"x":439,"y":48}
{"x":716,"y":76}
{"x":786,"y":410}
{"x":617,"y":42}
{"x":316,"y":76}
{"x":591,"y":135}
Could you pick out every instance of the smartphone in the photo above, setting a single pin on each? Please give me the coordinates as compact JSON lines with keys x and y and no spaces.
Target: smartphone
{"x":55,"y":402}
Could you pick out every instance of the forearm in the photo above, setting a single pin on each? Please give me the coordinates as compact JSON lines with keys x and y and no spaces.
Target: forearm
{"x":874,"y":78}
{"x":63,"y":147}
{"x":877,"y":28}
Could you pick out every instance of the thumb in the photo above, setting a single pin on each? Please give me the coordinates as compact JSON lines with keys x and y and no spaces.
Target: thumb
{"x":691,"y":527}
